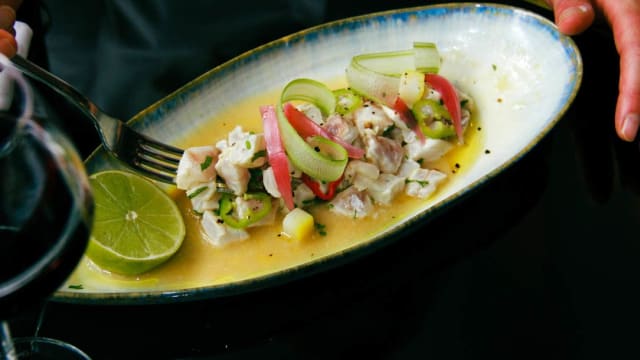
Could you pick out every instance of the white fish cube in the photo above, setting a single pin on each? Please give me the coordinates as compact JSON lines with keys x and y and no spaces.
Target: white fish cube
{"x":196,"y":166}
{"x":302,"y":195}
{"x":407,"y":168}
{"x":385,"y":188}
{"x":352,"y":203}
{"x":372,"y":118}
{"x":245,"y":149}
{"x":424,"y":182}
{"x":219,"y":234}
{"x":204,"y":197}
{"x":429,"y":150}
{"x":236,"y":177}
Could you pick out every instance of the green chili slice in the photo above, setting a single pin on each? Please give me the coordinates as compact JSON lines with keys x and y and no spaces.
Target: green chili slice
{"x":347,"y":101}
{"x":260,"y":206}
{"x":434,"y":119}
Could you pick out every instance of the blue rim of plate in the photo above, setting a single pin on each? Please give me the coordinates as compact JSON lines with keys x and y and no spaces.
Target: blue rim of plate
{"x":337,"y":259}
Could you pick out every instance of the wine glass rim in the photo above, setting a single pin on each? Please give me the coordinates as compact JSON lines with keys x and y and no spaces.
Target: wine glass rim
{"x":50,"y":341}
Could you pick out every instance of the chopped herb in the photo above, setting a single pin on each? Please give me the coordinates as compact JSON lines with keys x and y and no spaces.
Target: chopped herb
{"x":196,"y":192}
{"x":420,"y":161}
{"x":494,"y":67}
{"x":311,"y":202}
{"x":330,"y":205}
{"x":247,"y":144}
{"x":321,"y":229}
{"x":258,"y":155}
{"x":197,"y":213}
{"x":422,"y":183}
{"x":221,"y":187}
{"x":388,"y":130}
{"x":256,"y":183}
{"x":76,"y":287}
{"x":206,"y":163}
{"x":464,"y":102}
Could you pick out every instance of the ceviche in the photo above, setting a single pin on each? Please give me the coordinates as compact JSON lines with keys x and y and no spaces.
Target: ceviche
{"x":351,"y":149}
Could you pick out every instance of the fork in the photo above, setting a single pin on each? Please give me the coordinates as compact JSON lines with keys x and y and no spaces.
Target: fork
{"x":143,"y":154}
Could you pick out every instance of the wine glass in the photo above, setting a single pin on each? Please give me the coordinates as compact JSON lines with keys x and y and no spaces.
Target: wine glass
{"x":46,"y":212}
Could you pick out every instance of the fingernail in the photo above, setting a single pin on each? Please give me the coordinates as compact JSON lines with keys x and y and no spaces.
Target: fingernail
{"x":573,"y":11}
{"x":630,"y":126}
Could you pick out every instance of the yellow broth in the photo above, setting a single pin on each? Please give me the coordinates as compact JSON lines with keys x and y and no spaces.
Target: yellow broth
{"x":199,"y":264}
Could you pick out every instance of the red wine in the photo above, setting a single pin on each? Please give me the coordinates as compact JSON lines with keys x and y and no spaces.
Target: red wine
{"x":43,"y":230}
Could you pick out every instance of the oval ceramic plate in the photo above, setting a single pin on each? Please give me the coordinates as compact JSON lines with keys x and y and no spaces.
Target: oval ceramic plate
{"x":521,"y":72}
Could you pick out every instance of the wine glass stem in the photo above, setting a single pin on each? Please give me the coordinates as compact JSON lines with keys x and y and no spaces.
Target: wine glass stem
{"x":8,"y":351}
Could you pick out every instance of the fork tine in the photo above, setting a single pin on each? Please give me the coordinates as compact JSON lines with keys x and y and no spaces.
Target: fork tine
{"x":147,"y":156}
{"x":152,"y":152}
{"x":146,"y":160}
{"x":162,"y":148}
{"x":155,"y":164}
{"x":153,"y":174}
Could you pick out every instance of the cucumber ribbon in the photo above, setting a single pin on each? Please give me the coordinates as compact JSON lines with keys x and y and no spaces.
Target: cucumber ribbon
{"x":326,"y":159}
{"x":378,"y":76}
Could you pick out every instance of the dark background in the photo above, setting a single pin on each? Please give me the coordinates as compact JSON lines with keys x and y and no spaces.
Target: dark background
{"x":541,"y":263}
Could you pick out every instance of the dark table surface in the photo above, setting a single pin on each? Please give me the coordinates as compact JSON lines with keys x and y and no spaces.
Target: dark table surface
{"x":541,"y":263}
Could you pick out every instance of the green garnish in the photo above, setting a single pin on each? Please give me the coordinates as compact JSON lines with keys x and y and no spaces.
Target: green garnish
{"x":422,"y":183}
{"x":387,"y":132}
{"x":260,"y":208}
{"x":76,"y":287}
{"x":196,"y":192}
{"x":206,"y":163}
{"x":321,"y":229}
{"x":258,"y":155}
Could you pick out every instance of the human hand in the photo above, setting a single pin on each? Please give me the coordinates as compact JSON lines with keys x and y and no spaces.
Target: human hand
{"x":8,"y":44}
{"x":574,"y":16}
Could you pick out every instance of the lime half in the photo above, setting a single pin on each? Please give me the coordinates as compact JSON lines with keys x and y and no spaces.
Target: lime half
{"x":137,"y":226}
